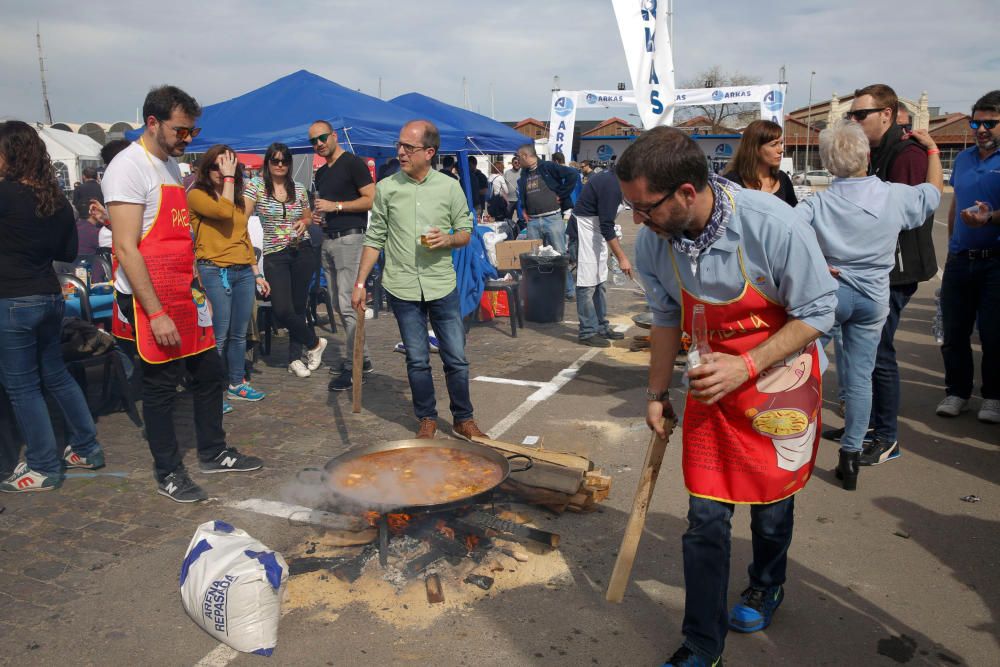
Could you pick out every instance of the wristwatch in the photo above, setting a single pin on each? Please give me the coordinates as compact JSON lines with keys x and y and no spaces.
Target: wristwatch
{"x":657,"y":396}
{"x":340,"y":207}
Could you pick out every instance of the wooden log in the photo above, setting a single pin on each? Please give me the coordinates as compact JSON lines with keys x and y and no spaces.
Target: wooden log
{"x":551,"y":476}
{"x":435,"y":593}
{"x":553,"y":500}
{"x":357,"y":379}
{"x":566,"y":459}
{"x":637,"y":518}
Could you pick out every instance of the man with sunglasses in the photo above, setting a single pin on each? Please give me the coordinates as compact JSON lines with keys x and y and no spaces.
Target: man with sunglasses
{"x":759,"y":274}
{"x":157,"y":297}
{"x":970,"y":287}
{"x":344,"y":195}
{"x":418,"y":217}
{"x":895,"y":158}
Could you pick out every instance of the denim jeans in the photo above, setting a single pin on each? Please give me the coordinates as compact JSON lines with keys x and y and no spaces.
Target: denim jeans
{"x":288,"y":272}
{"x":30,"y":356}
{"x":706,"y":545}
{"x":341,"y":258}
{"x":885,"y":379}
{"x":446,"y":320}
{"x":551,"y":229}
{"x":592,"y":309}
{"x":861,"y":321}
{"x":231,"y":291}
{"x":970,"y":291}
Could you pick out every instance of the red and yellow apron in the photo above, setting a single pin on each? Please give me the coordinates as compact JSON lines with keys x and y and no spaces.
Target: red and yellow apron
{"x":758,"y":443}
{"x":168,"y":252}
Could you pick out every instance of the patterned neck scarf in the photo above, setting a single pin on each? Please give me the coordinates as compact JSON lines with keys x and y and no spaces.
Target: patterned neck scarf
{"x":722,"y":211}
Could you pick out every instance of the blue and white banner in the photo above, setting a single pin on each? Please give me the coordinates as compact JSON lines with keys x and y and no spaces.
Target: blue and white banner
{"x":595,"y":99}
{"x":561,"y":122}
{"x":648,"y":52}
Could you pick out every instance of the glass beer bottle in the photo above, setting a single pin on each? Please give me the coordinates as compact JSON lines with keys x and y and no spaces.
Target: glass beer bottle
{"x":699,"y":338}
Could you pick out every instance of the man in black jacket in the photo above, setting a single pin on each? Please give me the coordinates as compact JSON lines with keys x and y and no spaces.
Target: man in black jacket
{"x":896,"y":159}
{"x":89,"y":189}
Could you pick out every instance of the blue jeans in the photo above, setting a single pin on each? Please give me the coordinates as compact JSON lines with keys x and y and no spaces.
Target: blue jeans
{"x":592,"y":309}
{"x":861,"y":321}
{"x":970,"y":291}
{"x":446,"y":320}
{"x":706,"y":545}
{"x":30,"y":356}
{"x":885,"y":379}
{"x":231,"y":292}
{"x":551,"y":229}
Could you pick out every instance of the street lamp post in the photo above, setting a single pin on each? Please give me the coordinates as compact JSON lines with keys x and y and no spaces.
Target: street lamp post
{"x":809,"y":119}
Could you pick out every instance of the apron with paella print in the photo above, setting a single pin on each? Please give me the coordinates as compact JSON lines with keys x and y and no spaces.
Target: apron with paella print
{"x":168,"y":252}
{"x":758,"y":443}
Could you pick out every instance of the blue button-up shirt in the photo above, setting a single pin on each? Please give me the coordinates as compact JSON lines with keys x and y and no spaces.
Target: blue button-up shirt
{"x":975,"y":180}
{"x":780,"y":254}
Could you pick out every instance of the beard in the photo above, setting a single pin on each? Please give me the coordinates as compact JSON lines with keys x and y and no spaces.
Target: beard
{"x":173,"y":150}
{"x":674,"y":226}
{"x":988,"y":144}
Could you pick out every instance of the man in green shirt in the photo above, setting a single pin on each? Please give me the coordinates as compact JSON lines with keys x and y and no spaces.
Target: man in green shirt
{"x":418,"y":216}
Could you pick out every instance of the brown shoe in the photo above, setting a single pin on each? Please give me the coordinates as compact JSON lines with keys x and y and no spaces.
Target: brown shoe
{"x":467,"y":430}
{"x":428,"y":427}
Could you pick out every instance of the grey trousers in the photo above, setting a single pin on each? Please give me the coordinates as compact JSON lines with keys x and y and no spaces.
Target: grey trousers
{"x":341,"y":258}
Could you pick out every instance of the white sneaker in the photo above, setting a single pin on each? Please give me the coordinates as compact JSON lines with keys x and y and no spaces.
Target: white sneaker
{"x":989,"y":411}
{"x":314,"y":358}
{"x":952,"y":406}
{"x":299,"y":368}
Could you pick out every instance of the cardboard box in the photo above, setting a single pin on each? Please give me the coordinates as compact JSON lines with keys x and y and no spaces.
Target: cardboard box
{"x":509,"y":253}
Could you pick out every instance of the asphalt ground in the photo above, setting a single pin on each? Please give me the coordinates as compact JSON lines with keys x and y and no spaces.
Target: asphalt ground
{"x":902,"y":571}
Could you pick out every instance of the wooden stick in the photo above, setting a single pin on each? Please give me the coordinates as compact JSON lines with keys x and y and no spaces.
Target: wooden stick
{"x":575,"y":461}
{"x":359,"y":349}
{"x":637,"y":519}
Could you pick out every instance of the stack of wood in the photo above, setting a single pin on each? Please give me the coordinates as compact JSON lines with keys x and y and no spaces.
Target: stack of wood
{"x":557,"y":481}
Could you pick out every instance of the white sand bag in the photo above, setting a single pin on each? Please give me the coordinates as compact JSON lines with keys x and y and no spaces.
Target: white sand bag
{"x":232,"y":585}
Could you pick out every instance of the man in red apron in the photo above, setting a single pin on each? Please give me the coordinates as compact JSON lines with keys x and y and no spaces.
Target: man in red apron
{"x":158,"y":301}
{"x":751,"y":420}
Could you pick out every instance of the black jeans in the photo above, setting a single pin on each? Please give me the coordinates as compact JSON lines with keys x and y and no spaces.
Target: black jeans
{"x":159,"y":391}
{"x":970,"y":293}
{"x":885,"y":378}
{"x":707,"y":545}
{"x":288,"y":272}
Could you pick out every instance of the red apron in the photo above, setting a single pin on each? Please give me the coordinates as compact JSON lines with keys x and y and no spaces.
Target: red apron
{"x":758,"y":443}
{"x":168,"y":252}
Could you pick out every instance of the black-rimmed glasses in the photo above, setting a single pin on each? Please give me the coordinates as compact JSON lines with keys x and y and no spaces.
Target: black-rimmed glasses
{"x":645,"y":211}
{"x":988,"y":124}
{"x":860,"y":114}
{"x":409,"y":149}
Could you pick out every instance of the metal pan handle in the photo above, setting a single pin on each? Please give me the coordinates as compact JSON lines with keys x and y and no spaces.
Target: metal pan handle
{"x":311,"y":476}
{"x":520,"y":456}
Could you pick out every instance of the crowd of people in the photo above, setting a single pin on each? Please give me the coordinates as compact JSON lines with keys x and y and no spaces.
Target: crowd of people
{"x":776,"y":278}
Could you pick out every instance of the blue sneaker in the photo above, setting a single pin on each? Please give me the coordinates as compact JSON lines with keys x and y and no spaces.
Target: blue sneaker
{"x":685,"y":657}
{"x":243,"y":392}
{"x":755,"y":609}
{"x":226,"y":408}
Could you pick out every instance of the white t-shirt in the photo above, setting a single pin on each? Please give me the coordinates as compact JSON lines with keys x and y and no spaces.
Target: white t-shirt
{"x":135,"y":177}
{"x":104,"y":237}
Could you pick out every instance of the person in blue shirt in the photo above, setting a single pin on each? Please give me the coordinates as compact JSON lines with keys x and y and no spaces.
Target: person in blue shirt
{"x":970,"y":287}
{"x":857,"y":221}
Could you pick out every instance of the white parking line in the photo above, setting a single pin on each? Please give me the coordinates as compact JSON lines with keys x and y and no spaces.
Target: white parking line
{"x":520,"y":383}
{"x":220,"y":656}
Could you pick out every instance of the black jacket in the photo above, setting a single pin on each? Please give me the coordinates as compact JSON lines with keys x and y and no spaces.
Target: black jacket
{"x":915,"y":257}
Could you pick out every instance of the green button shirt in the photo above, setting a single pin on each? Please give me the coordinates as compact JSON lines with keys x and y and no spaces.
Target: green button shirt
{"x":404,"y":209}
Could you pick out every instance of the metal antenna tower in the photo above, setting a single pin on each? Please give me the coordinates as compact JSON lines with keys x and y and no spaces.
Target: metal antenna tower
{"x":41,"y":69}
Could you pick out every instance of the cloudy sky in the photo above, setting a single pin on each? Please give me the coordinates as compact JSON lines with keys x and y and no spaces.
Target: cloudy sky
{"x":103,"y":56}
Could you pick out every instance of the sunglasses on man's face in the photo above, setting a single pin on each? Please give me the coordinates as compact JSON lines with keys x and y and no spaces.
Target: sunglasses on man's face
{"x":278,"y":162}
{"x":988,"y":124}
{"x":185,"y":132}
{"x":319,"y":138}
{"x":860,"y":114}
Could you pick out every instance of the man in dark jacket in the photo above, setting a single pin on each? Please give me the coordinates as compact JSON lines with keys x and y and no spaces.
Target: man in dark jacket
{"x":544,"y":191}
{"x":896,"y":159}
{"x":89,"y":189}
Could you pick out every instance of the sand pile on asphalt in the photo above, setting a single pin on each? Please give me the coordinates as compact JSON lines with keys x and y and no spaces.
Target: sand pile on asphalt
{"x":325,"y":596}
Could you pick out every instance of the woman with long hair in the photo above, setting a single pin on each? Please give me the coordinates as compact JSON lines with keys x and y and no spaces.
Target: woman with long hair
{"x":38,"y":227}
{"x":227,"y":265}
{"x":757,"y":161}
{"x":289,"y":260}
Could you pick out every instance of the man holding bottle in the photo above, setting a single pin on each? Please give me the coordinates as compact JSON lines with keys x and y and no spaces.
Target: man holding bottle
{"x":762,"y":282}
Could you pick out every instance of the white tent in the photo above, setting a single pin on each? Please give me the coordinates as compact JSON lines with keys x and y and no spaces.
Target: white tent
{"x":70,"y":153}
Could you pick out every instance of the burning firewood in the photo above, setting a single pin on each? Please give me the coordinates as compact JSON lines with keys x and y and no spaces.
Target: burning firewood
{"x":435,"y":593}
{"x":484,"y":582}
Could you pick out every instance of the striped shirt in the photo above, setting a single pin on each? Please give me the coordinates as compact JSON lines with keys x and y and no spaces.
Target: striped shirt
{"x":277,"y":218}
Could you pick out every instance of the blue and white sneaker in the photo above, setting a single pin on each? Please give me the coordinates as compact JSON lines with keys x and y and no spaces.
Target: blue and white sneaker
{"x":685,"y":657}
{"x":226,"y":408}
{"x":24,"y":480}
{"x":243,"y":392}
{"x":73,"y":460}
{"x":755,"y":609}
